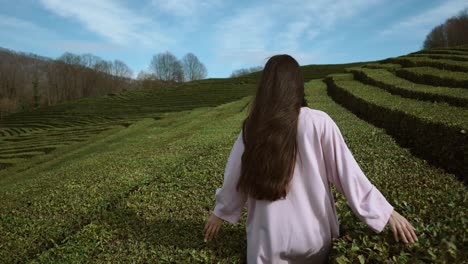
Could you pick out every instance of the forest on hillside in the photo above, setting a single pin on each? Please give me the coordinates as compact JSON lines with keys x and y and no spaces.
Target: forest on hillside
{"x":29,"y":81}
{"x":453,"y":32}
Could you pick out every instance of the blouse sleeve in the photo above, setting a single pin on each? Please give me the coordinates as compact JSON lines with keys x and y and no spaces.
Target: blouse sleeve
{"x":365,"y":200}
{"x":229,"y":202}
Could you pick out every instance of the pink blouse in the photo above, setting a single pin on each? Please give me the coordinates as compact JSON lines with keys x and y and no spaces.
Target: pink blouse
{"x":300,"y":228}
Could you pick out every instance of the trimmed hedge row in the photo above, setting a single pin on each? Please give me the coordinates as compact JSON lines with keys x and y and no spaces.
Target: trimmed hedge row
{"x":145,"y":194}
{"x":120,"y":110}
{"x":131,"y":105}
{"x":465,"y":49}
{"x":20,"y":141}
{"x":432,"y":200}
{"x":72,"y":195}
{"x":441,"y":51}
{"x":418,"y":62}
{"x":387,"y":66}
{"x":457,"y":57}
{"x":435,"y":132}
{"x":434,"y":76}
{"x":311,"y":71}
{"x":395,"y":85}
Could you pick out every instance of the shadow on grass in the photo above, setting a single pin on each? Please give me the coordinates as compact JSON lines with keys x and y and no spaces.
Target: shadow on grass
{"x":176,"y":234}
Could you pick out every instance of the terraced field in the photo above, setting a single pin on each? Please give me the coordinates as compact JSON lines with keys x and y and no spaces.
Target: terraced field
{"x":28,"y":134}
{"x":143,"y":193}
{"x":127,"y":178}
{"x":400,"y":86}
{"x":423,"y":107}
{"x":434,"y":76}
{"x":444,"y":64}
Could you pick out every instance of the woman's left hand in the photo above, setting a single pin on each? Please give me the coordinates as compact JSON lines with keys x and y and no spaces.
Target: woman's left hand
{"x":212,"y":227}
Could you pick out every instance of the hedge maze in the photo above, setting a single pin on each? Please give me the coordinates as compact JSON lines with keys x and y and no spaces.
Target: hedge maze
{"x":131,"y":177}
{"x":420,"y":100}
{"x":27,"y":134}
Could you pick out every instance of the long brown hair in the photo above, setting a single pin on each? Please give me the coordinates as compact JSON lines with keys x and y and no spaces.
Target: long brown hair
{"x":270,"y":130}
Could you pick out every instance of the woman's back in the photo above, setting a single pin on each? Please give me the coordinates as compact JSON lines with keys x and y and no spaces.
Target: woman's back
{"x":300,"y":227}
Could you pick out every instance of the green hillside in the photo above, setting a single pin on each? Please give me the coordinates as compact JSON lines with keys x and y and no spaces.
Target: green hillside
{"x":313,"y":71}
{"x":28,"y":134}
{"x":132,"y":177}
{"x":422,"y":101}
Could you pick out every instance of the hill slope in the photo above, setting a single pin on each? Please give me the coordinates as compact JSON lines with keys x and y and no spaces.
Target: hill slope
{"x":27,"y":134}
{"x":143,"y":193}
{"x":126,"y":178}
{"x":421,"y":99}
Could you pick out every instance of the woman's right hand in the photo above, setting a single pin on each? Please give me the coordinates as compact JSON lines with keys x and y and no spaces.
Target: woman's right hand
{"x":402,"y":228}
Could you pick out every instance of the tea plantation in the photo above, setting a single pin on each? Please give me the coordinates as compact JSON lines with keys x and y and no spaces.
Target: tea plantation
{"x":132,"y":177}
{"x":423,"y":104}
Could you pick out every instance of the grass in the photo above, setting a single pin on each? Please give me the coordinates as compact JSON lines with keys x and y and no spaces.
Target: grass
{"x":387,"y":66}
{"x":73,"y":193}
{"x":443,"y":64}
{"x":79,"y":117}
{"x":434,"y":77}
{"x":419,"y":191}
{"x":442,"y":52}
{"x":413,"y":123}
{"x":142,"y":194}
{"x":315,"y":71}
{"x":399,"y":86}
{"x":79,"y":120}
{"x":131,"y":177}
{"x":455,"y":57}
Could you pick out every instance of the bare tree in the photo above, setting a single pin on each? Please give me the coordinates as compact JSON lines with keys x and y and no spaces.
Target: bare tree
{"x":178,"y":71}
{"x":166,"y":67}
{"x":103,"y":66}
{"x":70,"y":58}
{"x":193,"y":68}
{"x":437,"y":38}
{"x":28,"y":81}
{"x":120,"y":69}
{"x":72,"y":73}
{"x":89,"y":60}
{"x":457,"y":29}
{"x":453,"y":32}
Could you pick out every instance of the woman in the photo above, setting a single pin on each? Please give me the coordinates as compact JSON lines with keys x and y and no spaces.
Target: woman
{"x":282,"y":164}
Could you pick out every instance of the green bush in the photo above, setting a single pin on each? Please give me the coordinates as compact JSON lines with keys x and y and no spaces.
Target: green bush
{"x":433,"y":201}
{"x":415,"y":124}
{"x":388,"y":66}
{"x":441,"y":52}
{"x":457,"y":57}
{"x":434,"y":77}
{"x":409,"y":61}
{"x":143,"y":194}
{"x":395,"y":85}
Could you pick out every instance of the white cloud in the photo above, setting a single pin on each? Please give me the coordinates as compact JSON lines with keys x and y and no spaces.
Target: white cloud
{"x":112,"y":21}
{"x":15,"y":31}
{"x":22,"y":31}
{"x":289,"y":39}
{"x":248,"y":30}
{"x":85,"y":46}
{"x":253,"y":33}
{"x":23,"y":26}
{"x":422,"y":23}
{"x":185,"y":7}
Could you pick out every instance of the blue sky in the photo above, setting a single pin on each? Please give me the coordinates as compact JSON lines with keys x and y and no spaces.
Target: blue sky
{"x":224,"y":34}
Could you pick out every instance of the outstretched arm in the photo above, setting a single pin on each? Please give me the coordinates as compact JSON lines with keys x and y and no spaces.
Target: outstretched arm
{"x":229,"y":202}
{"x":365,"y":200}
